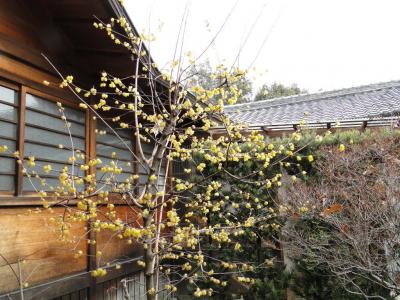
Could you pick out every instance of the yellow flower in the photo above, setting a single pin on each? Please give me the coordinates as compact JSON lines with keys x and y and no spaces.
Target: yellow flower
{"x":310,"y":158}
{"x":99,"y":272}
{"x":141,"y":263}
{"x":268,"y":184}
{"x":31,"y":161}
{"x":88,"y":178}
{"x":201,"y":167}
{"x":47,"y":169}
{"x":237,"y":247}
{"x":342,"y":147}
{"x":84,"y":167}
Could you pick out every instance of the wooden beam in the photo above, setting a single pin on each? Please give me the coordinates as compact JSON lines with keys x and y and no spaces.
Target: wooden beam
{"x":104,"y":52}
{"x":68,"y":20}
{"x":23,"y":53}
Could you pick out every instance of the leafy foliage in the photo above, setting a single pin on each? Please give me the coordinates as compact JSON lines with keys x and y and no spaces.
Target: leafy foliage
{"x":276,"y":90}
{"x":210,"y":78}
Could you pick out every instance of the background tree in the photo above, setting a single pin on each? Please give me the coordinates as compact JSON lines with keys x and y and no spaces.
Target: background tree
{"x":209,"y":77}
{"x":345,"y":220}
{"x":276,"y":90}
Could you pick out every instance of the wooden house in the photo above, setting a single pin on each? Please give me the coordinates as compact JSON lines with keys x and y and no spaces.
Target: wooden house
{"x":31,"y":255}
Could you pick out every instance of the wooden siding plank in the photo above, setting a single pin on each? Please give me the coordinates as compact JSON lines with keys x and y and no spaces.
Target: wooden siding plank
{"x":31,"y":238}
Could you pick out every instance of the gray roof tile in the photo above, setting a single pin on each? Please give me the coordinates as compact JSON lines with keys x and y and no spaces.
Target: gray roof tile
{"x":369,"y":101}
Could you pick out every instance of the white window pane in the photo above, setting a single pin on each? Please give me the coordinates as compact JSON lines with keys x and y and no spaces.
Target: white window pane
{"x":7,"y":165}
{"x":122,"y":132}
{"x":52,"y":108}
{"x":107,"y":150}
{"x":123,"y":176}
{"x":147,"y":149}
{"x":110,"y":138}
{"x":8,"y":112}
{"x":55,"y":168}
{"x":39,"y":119}
{"x":8,"y":95}
{"x":142,"y":179}
{"x":8,"y":130}
{"x":8,"y":143}
{"x":45,"y":152}
{"x":30,"y":185}
{"x":50,"y":184}
{"x":124,"y":165}
{"x":41,"y":135}
{"x":6,"y":182}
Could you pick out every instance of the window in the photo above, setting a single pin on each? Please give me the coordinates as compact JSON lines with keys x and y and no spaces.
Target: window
{"x":51,"y":141}
{"x":107,"y":144}
{"x":31,"y":122}
{"x":147,"y":151}
{"x":8,"y":136}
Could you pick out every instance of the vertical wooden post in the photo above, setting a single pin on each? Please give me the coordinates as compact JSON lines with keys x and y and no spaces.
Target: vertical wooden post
{"x":91,"y":154}
{"x":266,"y":130}
{"x":20,"y":139}
{"x":364,"y":125}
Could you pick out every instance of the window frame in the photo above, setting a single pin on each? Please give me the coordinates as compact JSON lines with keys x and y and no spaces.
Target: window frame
{"x":49,"y":98}
{"x":134,"y":166}
{"x":16,"y":88}
{"x":18,"y":197}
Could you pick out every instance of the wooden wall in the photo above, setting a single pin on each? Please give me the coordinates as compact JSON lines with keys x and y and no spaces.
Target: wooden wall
{"x":29,"y":245}
{"x":22,"y":36}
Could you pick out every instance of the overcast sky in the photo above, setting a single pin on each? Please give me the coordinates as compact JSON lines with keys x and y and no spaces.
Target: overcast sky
{"x":318,"y":44}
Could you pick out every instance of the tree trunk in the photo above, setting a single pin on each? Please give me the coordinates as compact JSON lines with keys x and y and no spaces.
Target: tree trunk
{"x":149,"y":268}
{"x":150,"y":285}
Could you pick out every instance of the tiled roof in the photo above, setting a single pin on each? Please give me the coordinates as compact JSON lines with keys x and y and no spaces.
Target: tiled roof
{"x":364,"y":102}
